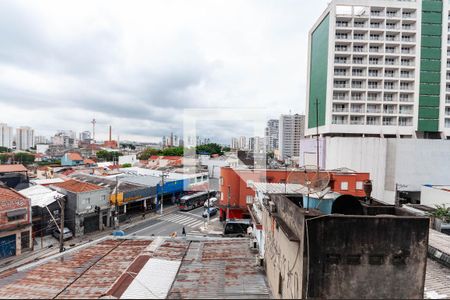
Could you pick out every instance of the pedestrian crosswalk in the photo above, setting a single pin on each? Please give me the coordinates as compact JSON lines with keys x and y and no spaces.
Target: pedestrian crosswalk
{"x":183,"y":220}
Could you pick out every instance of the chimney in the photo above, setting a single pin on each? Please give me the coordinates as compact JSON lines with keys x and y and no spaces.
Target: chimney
{"x":110,"y":133}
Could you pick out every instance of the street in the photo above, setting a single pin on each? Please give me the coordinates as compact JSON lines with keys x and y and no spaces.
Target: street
{"x":172,"y":222}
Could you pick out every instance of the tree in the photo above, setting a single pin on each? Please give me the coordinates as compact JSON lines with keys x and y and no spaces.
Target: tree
{"x":173,"y":151}
{"x":4,"y":149}
{"x":4,"y":158}
{"x":127,"y":165}
{"x":211,"y":148}
{"x":104,"y":155}
{"x":24,"y":158}
{"x":144,"y":155}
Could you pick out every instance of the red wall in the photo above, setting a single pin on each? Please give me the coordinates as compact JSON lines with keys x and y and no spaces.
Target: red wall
{"x":9,"y":204}
{"x":236,"y":180}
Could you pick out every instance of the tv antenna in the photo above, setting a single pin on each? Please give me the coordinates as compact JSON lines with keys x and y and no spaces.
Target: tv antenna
{"x":311,"y":178}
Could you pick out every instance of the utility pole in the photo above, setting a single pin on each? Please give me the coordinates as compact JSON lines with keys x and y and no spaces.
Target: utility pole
{"x":62,"y":201}
{"x":163,"y":175}
{"x":228,"y":204}
{"x":116,"y":207}
{"x":317,"y":135}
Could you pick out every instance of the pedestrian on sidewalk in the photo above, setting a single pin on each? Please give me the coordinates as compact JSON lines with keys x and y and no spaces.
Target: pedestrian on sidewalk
{"x":143,"y":215}
{"x":183,"y":232}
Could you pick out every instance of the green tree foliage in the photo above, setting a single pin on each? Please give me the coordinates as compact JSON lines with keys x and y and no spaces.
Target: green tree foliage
{"x":4,"y":158}
{"x":127,"y":165}
{"x":104,"y":155}
{"x":211,"y":148}
{"x":144,"y":155}
{"x":173,"y":151}
{"x":24,"y":158}
{"x":4,"y":149}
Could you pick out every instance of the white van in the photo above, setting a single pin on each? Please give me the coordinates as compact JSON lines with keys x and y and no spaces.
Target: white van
{"x":212,"y":202}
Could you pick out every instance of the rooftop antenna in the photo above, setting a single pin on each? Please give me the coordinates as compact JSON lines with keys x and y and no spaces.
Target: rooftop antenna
{"x":93,"y":129}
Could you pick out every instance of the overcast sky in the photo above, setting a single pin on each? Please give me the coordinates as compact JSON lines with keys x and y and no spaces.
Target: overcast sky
{"x":137,"y":65}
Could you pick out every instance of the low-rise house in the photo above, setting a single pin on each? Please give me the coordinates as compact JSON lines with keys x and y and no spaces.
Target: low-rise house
{"x":363,"y":249}
{"x":45,"y":209}
{"x":87,"y":206}
{"x":15,"y":223}
{"x":72,"y":159}
{"x":14,"y":176}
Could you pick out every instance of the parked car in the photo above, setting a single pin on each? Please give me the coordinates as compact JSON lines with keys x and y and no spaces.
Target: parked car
{"x":212,"y":211}
{"x":212,"y":202}
{"x":67,"y":235}
{"x":236,"y":228}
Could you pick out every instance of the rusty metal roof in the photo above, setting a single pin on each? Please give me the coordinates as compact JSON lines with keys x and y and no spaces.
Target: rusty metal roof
{"x":120,"y":267}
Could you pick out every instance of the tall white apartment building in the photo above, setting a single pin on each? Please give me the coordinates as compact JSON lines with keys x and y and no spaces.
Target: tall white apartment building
{"x":234,"y":143}
{"x":40,"y":139}
{"x":85,"y":136}
{"x":257,"y":144}
{"x":291,"y":130}
{"x":24,"y":138}
{"x":271,"y":134}
{"x":380,"y":68}
{"x":6,"y":136}
{"x":242,"y":142}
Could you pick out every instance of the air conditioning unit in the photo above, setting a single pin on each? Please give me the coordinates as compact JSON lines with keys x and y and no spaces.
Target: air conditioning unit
{"x":272,"y":207}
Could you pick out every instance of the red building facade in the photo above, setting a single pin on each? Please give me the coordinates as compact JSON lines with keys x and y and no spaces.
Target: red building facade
{"x":236,"y":192}
{"x":15,"y":223}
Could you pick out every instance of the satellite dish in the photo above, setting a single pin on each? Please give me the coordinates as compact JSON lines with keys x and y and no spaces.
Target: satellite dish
{"x":309,"y":177}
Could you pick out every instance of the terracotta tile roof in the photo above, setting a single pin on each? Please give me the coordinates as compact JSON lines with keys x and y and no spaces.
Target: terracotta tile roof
{"x":89,"y":161}
{"x":74,"y":156}
{"x":171,"y":157}
{"x":77,"y":186}
{"x":154,"y":157}
{"x":12,"y":168}
{"x":10,"y":194}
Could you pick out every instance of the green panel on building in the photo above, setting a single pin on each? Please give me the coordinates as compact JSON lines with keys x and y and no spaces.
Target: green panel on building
{"x":430,"y":65}
{"x":429,"y":88}
{"x":428,"y":125}
{"x":431,"y":41}
{"x":432,"y":29}
{"x":431,"y":17}
{"x":433,"y":53}
{"x":435,"y":6}
{"x":429,"y":112}
{"x":429,"y":100}
{"x":318,"y":73}
{"x":430,"y":77}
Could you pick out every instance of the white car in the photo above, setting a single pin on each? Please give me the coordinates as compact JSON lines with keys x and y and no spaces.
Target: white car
{"x":66,"y":236}
{"x":212,"y":202}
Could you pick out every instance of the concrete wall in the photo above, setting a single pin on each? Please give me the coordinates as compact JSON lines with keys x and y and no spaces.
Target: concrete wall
{"x":308,"y":152}
{"x":367,"y":257}
{"x":431,"y":196}
{"x":409,"y":163}
{"x":283,"y":258}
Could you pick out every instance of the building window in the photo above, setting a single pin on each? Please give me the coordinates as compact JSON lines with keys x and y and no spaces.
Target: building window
{"x":249,"y":183}
{"x":87,"y":201}
{"x":359,"y":185}
{"x":16,"y":218}
{"x":344,"y":186}
{"x":249,"y":199}
{"x":280,"y":284}
{"x":25,"y":240}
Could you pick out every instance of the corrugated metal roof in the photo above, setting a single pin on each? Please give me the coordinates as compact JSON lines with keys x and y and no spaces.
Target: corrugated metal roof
{"x":154,"y":280}
{"x":12,"y":168}
{"x":40,"y":195}
{"x":137,"y":267}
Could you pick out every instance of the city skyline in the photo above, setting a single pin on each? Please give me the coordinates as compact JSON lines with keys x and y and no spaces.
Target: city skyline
{"x":122,"y":65}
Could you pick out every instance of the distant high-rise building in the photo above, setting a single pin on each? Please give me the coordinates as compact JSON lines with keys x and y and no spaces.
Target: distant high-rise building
{"x":380,"y":69}
{"x":234,"y":143}
{"x":85,"y":136}
{"x":24,"y":138}
{"x":242,"y":142}
{"x":40,"y":139}
{"x":291,"y":130}
{"x":272,"y":132}
{"x":256,"y":144}
{"x":6,"y":136}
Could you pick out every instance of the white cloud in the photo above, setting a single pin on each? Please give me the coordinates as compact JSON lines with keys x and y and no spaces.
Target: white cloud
{"x":137,"y":65}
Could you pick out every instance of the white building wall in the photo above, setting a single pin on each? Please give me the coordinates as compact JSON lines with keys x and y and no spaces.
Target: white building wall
{"x":432,"y":196}
{"x":409,"y":163}
{"x":128,"y":159}
{"x":24,"y":138}
{"x":6,"y":136}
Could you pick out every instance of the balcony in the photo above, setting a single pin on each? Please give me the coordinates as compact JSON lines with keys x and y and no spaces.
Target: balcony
{"x":408,"y":27}
{"x":340,"y":86}
{"x":405,"y":112}
{"x":375,"y":26}
{"x":358,"y":37}
{"x":375,"y":38}
{"x":447,"y":101}
{"x":389,"y":112}
{"x":340,"y":98}
{"x":358,"y":50}
{"x":374,"y":50}
{"x":388,"y":99}
{"x":404,"y":123}
{"x":389,"y":62}
{"x":376,"y":14}
{"x":407,"y":51}
{"x":390,"y":51}
{"x":357,"y":86}
{"x":341,"y":37}
{"x":388,"y":123}
{"x":409,"y":40}
{"x":407,"y":63}
{"x":408,"y":76}
{"x":340,"y":49}
{"x":339,"y":122}
{"x":408,"y":15}
{"x":391,"y":27}
{"x":389,"y":87}
{"x":359,"y":98}
{"x":340,"y":110}
{"x":391,"y":39}
{"x":357,"y":122}
{"x":405,"y":88}
{"x":341,"y":24}
{"x":357,"y":110}
{"x":374,"y":62}
{"x":392,"y":14}
{"x":369,"y":98}
{"x":374,"y":75}
{"x":340,"y":61}
{"x":373,"y":111}
{"x":405,"y":99}
{"x":358,"y":61}
{"x":356,"y":74}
